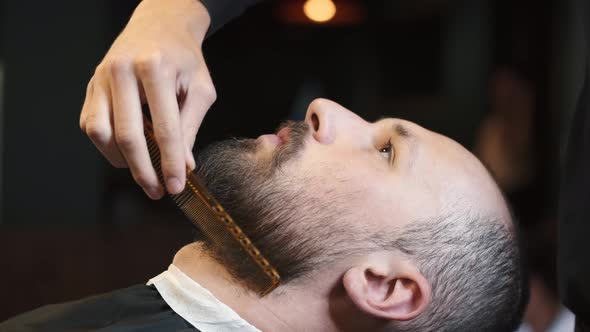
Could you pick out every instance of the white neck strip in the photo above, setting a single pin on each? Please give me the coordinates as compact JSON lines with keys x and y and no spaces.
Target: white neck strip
{"x":196,"y":304}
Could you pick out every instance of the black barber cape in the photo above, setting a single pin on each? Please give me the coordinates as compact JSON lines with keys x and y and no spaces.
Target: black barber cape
{"x":137,"y":308}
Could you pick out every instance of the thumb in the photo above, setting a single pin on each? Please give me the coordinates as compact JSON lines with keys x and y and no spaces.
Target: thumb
{"x":192,"y":113}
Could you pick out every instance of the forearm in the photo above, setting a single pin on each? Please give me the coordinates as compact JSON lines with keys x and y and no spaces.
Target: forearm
{"x":153,"y":17}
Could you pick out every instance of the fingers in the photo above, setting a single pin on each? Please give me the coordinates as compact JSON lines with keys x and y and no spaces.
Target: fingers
{"x":95,"y":121}
{"x":84,"y":113}
{"x":159,"y":85}
{"x":190,"y":118}
{"x":198,"y":101}
{"x":159,"y":44}
{"x":112,"y":118}
{"x":129,"y":134}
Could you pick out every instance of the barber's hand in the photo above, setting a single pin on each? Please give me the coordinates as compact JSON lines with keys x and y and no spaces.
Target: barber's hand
{"x":157,"y":60}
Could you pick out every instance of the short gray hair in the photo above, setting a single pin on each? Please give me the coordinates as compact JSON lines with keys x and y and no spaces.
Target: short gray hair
{"x":475,"y":272}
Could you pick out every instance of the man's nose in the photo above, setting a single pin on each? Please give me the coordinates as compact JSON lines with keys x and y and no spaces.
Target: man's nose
{"x":329,"y":120}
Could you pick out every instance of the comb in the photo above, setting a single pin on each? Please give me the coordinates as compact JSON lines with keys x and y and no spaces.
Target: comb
{"x":213,"y":221}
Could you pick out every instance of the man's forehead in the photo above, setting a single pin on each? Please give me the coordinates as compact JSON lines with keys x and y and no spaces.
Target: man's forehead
{"x":456,"y":170}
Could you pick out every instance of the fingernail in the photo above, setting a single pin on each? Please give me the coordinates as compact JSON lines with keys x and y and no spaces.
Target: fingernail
{"x":154,"y":192}
{"x":192,"y":163}
{"x":174,"y":185}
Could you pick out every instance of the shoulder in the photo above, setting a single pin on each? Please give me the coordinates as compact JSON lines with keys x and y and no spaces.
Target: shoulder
{"x":136,"y":308}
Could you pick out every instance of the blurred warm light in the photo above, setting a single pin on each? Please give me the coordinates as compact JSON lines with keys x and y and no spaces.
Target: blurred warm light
{"x":319,"y":10}
{"x":346,"y":13}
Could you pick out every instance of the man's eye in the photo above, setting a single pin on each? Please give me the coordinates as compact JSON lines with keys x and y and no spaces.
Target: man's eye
{"x":387,"y":150}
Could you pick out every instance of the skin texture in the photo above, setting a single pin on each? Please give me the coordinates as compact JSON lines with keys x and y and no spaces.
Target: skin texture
{"x":156,"y":60}
{"x":393,"y":172}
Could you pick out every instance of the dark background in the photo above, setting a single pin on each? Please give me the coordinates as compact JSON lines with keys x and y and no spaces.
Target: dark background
{"x":70,"y":225}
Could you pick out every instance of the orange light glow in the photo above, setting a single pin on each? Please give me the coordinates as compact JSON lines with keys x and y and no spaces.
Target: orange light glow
{"x":319,"y":10}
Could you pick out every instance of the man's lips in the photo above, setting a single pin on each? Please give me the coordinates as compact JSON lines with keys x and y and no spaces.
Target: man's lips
{"x":275,"y":140}
{"x":278,"y":139}
{"x":283,"y":134}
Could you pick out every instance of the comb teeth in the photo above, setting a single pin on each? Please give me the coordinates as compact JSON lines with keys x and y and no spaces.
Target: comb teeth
{"x":154,"y":155}
{"x":209,"y":216}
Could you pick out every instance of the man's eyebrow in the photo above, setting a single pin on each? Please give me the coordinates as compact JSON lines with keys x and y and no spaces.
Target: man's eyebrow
{"x":401,"y":130}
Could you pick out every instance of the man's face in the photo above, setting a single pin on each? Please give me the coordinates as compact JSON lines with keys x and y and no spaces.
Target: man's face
{"x":328,"y":186}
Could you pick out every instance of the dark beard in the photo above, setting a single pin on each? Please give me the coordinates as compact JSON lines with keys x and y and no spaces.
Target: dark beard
{"x":259,"y":198}
{"x":298,"y":229}
{"x":228,"y":167}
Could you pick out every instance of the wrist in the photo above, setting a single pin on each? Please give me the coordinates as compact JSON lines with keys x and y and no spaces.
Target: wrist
{"x":190,"y":15}
{"x":202,"y":20}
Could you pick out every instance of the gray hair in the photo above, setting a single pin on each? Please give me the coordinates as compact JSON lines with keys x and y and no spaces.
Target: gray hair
{"x":475,"y":272}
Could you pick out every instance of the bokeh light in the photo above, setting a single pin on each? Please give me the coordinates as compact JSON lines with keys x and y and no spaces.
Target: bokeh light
{"x":319,"y":10}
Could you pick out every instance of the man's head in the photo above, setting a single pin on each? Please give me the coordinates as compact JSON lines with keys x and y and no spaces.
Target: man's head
{"x":420,"y":231}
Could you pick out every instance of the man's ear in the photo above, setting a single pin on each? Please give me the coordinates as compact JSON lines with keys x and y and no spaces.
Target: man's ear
{"x":384,"y":288}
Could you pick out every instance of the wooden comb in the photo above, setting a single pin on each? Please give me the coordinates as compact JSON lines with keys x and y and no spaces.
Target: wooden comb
{"x":213,"y":221}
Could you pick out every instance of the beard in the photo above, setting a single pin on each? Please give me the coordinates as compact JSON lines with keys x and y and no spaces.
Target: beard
{"x":291,"y":224}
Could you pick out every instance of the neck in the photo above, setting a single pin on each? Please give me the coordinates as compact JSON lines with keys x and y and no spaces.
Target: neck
{"x":302,"y":307}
